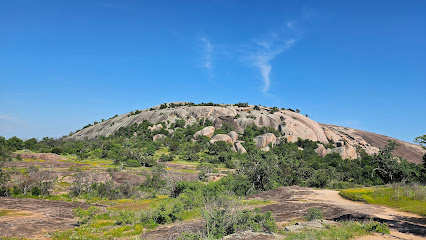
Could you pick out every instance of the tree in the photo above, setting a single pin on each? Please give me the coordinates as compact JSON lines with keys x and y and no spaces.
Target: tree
{"x":4,"y":157}
{"x":15,"y":143}
{"x":31,"y":144}
{"x":422,"y":141}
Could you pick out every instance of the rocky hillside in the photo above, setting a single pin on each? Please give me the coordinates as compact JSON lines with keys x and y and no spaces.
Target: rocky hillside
{"x":292,"y":125}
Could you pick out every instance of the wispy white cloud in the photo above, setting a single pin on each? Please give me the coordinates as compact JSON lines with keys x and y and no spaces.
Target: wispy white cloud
{"x":267,"y":50}
{"x":6,"y":117}
{"x":291,"y":25}
{"x":207,"y":54}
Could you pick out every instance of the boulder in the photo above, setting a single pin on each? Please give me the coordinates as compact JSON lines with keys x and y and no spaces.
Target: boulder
{"x":321,"y":150}
{"x":264,"y":140}
{"x":291,"y":139}
{"x":233,"y":135}
{"x":240,"y":147}
{"x":265,"y":149}
{"x":207,"y":131}
{"x":158,"y":136}
{"x":155,"y":127}
{"x":347,"y":152}
{"x":221,"y":137}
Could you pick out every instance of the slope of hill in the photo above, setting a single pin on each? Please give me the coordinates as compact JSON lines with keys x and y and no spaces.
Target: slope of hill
{"x":292,"y":125}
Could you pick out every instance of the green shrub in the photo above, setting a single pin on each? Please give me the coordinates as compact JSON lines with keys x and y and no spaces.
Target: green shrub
{"x":314,"y":214}
{"x":35,"y":191}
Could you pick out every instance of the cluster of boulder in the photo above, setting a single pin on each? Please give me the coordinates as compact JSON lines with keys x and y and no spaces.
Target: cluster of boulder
{"x":290,"y":124}
{"x":231,"y":137}
{"x":264,"y":142}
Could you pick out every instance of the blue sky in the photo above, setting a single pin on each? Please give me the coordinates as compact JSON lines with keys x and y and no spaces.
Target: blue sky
{"x":360,"y":64}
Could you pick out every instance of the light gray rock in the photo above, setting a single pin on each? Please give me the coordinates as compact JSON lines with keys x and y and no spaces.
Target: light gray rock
{"x":156,"y":127}
{"x":233,"y":135}
{"x":266,"y":149}
{"x":221,"y":137}
{"x":264,"y":140}
{"x":321,"y":150}
{"x":347,"y":152}
{"x":207,"y":131}
{"x":240,"y":147}
{"x":291,"y":139}
{"x":158,"y":137}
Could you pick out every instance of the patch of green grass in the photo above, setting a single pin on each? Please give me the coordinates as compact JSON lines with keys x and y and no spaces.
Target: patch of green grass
{"x":125,"y":231}
{"x":186,"y":162}
{"x":161,"y":151}
{"x":183,"y":170}
{"x":33,"y":160}
{"x":405,"y":198}
{"x":91,"y":162}
{"x":4,"y":212}
{"x":12,"y":212}
{"x":346,"y":230}
{"x":255,"y":202}
{"x":62,"y":197}
{"x":130,"y":204}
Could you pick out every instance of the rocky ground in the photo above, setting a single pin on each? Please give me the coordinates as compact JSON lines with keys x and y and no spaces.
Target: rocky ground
{"x":36,"y":217}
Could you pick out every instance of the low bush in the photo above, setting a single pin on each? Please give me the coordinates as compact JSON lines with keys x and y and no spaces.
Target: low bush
{"x":314,"y":214}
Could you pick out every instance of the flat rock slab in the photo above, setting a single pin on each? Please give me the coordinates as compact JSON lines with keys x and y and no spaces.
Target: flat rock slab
{"x":35,"y":217}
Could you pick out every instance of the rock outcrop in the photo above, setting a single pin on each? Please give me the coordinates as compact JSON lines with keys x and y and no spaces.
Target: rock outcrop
{"x":321,"y":150}
{"x":347,"y":152}
{"x":207,"y":131}
{"x":156,"y":127}
{"x":292,"y":126}
{"x":263,"y":141}
{"x":158,"y":137}
{"x":240,"y":148}
{"x":221,"y":137}
{"x":233,"y":135}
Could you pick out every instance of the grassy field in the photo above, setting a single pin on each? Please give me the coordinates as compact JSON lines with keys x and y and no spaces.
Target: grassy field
{"x":347,"y":230}
{"x":405,"y":198}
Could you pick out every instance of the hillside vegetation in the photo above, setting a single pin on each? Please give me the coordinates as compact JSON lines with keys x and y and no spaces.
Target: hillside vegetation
{"x":149,"y":176}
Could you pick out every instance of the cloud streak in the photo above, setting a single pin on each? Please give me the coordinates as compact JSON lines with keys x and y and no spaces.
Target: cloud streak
{"x":6,"y":117}
{"x":268,"y":50}
{"x":207,"y":55}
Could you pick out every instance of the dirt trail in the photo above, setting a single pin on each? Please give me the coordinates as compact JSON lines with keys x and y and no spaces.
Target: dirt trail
{"x":403,"y":225}
{"x":293,"y":202}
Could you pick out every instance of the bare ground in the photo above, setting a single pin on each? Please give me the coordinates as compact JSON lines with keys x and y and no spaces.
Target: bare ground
{"x":35,"y":217}
{"x":292,"y":203}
